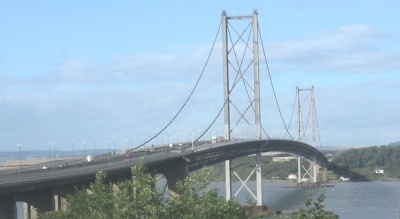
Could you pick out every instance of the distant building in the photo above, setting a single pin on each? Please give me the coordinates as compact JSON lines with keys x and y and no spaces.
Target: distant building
{"x":282,"y":159}
{"x":379,"y":170}
{"x":344,"y":179}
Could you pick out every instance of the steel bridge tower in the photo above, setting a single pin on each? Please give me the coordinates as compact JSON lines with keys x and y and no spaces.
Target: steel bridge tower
{"x":238,"y":67}
{"x":303,"y":131}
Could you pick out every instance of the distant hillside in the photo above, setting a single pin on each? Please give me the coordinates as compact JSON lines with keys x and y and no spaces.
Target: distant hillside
{"x":243,"y":166}
{"x":40,"y":154}
{"x":397,"y":143}
{"x":364,"y":161}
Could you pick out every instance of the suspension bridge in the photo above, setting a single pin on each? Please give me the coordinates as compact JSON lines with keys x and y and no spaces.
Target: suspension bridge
{"x":240,"y":109}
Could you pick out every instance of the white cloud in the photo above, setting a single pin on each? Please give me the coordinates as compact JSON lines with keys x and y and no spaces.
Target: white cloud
{"x":141,"y":93}
{"x":354,"y":48}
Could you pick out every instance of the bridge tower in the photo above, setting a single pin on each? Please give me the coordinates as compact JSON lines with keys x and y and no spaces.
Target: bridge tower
{"x":240,"y":67}
{"x":303,"y":132}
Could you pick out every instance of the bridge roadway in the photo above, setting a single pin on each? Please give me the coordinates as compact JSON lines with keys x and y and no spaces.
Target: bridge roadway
{"x":204,"y":153}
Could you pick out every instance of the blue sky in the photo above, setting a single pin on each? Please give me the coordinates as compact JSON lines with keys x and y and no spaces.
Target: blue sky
{"x":88,"y":71}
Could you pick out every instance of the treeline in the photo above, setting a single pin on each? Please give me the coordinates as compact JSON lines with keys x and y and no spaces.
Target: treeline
{"x":244,"y":165}
{"x":139,"y":198}
{"x":358,"y":164}
{"x":365,"y":161}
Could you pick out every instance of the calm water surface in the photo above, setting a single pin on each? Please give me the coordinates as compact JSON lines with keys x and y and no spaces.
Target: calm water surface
{"x":364,"y":200}
{"x":347,"y":199}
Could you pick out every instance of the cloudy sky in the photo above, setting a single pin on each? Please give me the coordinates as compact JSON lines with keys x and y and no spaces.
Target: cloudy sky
{"x":92,"y":71}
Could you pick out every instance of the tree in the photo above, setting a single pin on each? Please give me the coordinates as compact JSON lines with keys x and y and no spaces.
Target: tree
{"x":313,"y":210}
{"x":140,"y":199}
{"x":197,"y":202}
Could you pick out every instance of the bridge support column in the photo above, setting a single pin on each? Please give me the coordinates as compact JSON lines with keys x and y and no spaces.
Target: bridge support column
{"x":41,"y":199}
{"x":228,"y":180}
{"x":8,"y":208}
{"x":60,"y":196}
{"x":174,"y":172}
{"x":314,"y":169}
{"x":259,"y":208}
{"x":323,"y":171}
{"x":114,"y":180}
{"x":299,"y":170}
{"x":259,"y":180}
{"x":28,"y":211}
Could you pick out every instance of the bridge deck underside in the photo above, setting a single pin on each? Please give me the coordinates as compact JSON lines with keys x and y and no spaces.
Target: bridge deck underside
{"x":205,"y":155}
{"x":237,"y":149}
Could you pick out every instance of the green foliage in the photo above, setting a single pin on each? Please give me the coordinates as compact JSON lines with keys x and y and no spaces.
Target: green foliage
{"x":364,"y":161}
{"x":244,"y":165}
{"x":198,"y":202}
{"x":313,"y":210}
{"x":140,"y":199}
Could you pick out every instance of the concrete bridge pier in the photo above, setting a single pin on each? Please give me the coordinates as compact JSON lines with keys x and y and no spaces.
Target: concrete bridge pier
{"x":60,"y":195}
{"x":174,"y":172}
{"x":323,"y":171}
{"x":115,"y":180}
{"x":259,"y":207}
{"x":8,"y":208}
{"x":259,"y":182}
{"x":40,"y":200}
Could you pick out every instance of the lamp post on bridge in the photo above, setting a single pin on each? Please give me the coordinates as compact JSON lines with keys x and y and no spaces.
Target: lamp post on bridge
{"x":54,"y":157}
{"x":191,"y":139}
{"x":73,"y":155}
{"x":115,"y":146}
{"x":54,"y":151}
{"x":49,"y":151}
{"x":85,"y":159}
{"x":19,"y":155}
{"x":94,"y":147}
{"x":85,"y":148}
{"x":145,"y":143}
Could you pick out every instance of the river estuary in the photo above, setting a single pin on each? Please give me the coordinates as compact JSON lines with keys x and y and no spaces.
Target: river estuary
{"x":347,"y":199}
{"x":350,"y":200}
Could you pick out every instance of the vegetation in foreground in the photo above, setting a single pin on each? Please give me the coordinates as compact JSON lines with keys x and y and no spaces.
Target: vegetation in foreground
{"x":313,"y":210}
{"x":140,"y":199}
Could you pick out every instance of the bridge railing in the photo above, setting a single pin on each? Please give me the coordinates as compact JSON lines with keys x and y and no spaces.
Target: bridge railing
{"x":108,"y":164}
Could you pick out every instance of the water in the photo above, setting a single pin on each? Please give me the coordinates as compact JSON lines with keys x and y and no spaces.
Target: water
{"x":365,"y":200}
{"x":347,"y":199}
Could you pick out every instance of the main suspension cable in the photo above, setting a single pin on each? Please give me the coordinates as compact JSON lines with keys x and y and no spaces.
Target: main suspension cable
{"x":316,"y":119}
{"x":212,"y":123}
{"x":291,"y":117}
{"x":272,"y":85}
{"x":190,"y":95}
